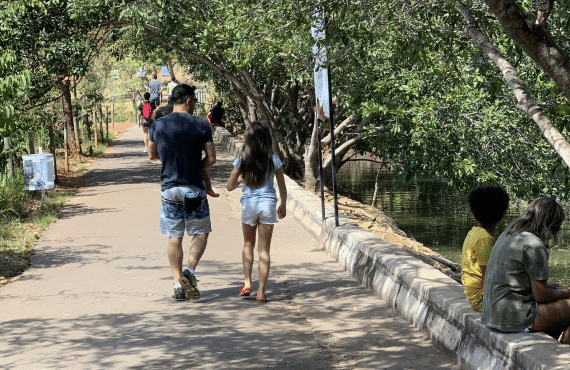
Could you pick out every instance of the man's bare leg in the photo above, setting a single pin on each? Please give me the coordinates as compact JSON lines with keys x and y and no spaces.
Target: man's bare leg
{"x":175,"y":255}
{"x":187,"y":278}
{"x":197,"y":248}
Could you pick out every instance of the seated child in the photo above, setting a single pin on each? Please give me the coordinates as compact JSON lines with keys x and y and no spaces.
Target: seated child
{"x":488,"y":204}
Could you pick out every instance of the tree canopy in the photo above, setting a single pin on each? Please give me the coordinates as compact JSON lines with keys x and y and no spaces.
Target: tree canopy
{"x":472,"y":92}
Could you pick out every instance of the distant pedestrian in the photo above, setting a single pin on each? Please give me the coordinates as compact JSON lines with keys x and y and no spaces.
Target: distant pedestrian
{"x":178,"y":140}
{"x":255,"y":166}
{"x":517,"y":296}
{"x":217,"y":115}
{"x":146,"y":109}
{"x":488,"y":204}
{"x":171,"y":85}
{"x":155,"y":88}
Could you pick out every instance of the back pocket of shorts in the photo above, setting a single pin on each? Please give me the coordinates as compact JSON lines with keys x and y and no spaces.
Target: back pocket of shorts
{"x":192,"y":202}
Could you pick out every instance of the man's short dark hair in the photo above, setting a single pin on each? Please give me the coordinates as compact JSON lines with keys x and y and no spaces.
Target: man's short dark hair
{"x":154,"y":76}
{"x":181,"y":93}
{"x":219,"y":104}
{"x":488,"y":204}
{"x":146,"y":95}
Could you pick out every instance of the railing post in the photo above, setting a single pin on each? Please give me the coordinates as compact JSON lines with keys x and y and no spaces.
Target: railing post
{"x":52,"y":151}
{"x":31,"y":142}
{"x":95,"y":135}
{"x":88,"y":128}
{"x":107,"y":121}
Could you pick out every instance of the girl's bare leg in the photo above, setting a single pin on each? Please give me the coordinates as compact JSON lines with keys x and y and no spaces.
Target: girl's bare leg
{"x":247,"y":252}
{"x":264,"y":245}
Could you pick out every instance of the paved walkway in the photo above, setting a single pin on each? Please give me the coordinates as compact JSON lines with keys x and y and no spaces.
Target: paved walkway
{"x":98,"y":293}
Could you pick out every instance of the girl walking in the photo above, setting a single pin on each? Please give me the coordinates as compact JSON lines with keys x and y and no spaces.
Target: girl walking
{"x":255,"y":166}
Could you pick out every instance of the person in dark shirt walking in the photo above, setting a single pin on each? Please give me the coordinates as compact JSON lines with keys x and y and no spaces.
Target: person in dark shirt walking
{"x":155,"y":87}
{"x":178,"y":139}
{"x":217,"y":115}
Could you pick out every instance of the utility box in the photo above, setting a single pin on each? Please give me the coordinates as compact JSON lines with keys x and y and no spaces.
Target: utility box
{"x":38,"y":171}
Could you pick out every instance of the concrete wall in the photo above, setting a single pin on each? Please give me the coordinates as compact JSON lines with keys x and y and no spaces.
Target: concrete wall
{"x":429,"y":299}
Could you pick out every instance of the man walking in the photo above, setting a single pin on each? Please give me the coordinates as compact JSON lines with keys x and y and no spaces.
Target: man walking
{"x":171,"y":85}
{"x":154,"y":87}
{"x":178,"y":140}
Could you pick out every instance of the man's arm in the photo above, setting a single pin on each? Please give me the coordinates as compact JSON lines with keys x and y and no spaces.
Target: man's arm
{"x":210,"y":158}
{"x":152,"y":150}
{"x":543,"y":293}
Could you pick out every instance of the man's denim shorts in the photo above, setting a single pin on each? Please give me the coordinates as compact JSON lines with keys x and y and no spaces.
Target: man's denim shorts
{"x":175,"y":218}
{"x":254,"y":211}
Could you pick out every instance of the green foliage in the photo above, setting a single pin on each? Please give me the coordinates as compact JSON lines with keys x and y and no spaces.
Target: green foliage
{"x":12,"y":84}
{"x":444,"y":109}
{"x":12,"y":195}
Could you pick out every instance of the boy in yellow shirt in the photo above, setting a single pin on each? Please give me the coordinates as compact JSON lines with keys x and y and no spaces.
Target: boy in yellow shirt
{"x":488,"y":204}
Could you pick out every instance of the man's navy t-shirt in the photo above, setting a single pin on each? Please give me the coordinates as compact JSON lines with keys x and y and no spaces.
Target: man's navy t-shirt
{"x":154,"y":87}
{"x":180,"y":139}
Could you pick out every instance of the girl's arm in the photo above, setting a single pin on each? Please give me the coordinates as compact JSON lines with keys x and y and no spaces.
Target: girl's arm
{"x":282,"y":209}
{"x":234,"y":180}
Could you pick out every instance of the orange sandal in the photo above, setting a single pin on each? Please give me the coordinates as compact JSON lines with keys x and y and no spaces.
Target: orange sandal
{"x":262,"y":300}
{"x":244,"y":292}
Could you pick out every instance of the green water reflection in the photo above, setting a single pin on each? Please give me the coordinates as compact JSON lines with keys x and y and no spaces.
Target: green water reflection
{"x":434,"y":213}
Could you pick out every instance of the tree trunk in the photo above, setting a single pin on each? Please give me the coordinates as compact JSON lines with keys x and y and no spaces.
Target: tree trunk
{"x":312,"y":161}
{"x":170,"y":68}
{"x":524,"y":101}
{"x":63,"y":82}
{"x":535,"y":39}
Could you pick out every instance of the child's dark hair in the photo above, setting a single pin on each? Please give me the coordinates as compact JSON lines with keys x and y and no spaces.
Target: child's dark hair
{"x":146,"y":95}
{"x":162,"y":110}
{"x":488,"y":204}
{"x":256,"y":155}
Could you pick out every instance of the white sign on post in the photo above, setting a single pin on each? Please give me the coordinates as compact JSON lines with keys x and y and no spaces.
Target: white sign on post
{"x":321,"y":69}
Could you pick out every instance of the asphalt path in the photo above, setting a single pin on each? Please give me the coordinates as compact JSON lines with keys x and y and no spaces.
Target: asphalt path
{"x":98,"y":293}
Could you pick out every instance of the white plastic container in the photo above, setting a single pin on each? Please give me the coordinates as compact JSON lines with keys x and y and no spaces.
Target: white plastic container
{"x":38,"y":171}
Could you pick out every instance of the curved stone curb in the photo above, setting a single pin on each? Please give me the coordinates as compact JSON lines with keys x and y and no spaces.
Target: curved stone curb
{"x":429,"y":299}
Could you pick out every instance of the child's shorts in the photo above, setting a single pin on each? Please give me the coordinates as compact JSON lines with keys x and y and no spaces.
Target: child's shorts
{"x":263,"y":211}
{"x":175,"y":218}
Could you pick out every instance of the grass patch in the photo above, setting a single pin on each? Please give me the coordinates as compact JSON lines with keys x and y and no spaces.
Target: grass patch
{"x":23,"y":218}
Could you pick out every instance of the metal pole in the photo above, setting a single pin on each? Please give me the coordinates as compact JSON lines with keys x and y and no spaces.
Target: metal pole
{"x":321,"y":173}
{"x":332,"y":141}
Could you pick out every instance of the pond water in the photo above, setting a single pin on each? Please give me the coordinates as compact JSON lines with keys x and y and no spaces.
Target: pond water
{"x":435,"y":213}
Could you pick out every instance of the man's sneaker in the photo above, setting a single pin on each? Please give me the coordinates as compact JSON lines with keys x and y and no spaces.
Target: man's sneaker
{"x":179,"y":294}
{"x":189,"y":282}
{"x":145,"y":150}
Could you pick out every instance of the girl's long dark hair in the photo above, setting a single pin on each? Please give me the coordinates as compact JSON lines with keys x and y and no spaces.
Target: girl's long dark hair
{"x":543,"y":217}
{"x":256,"y":155}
